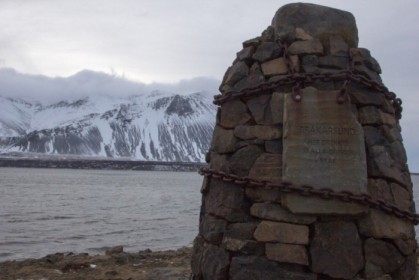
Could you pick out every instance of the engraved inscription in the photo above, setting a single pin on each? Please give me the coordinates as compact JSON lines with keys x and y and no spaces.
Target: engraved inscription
{"x":323,"y":147}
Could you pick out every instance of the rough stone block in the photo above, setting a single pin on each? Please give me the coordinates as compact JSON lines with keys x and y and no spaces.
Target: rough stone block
{"x":312,"y":19}
{"x":262,"y":132}
{"x":287,"y":253}
{"x":267,"y":167}
{"x":276,"y":66}
{"x":199,"y":247}
{"x":227,"y":200}
{"x":306,"y":47}
{"x":380,"y":189}
{"x":236,"y":72}
{"x":273,"y":146}
{"x":259,"y":268}
{"x":212,"y":229}
{"x":223,"y":140}
{"x":391,"y":133}
{"x":407,"y":270}
{"x":381,"y":225}
{"x":300,"y":34}
{"x":233,"y":113}
{"x":246,"y":54}
{"x":259,"y":194}
{"x":277,"y":107}
{"x":242,"y":160}
{"x":267,"y":51}
{"x":406,"y":246}
{"x":381,"y":258}
{"x":219,"y":162}
{"x":247,"y":247}
{"x":402,"y":198}
{"x":281,"y":232}
{"x":259,"y":108}
{"x":338,"y":46}
{"x":363,"y":96}
{"x":275,"y":212}
{"x":335,"y":62}
{"x":216,"y":262}
{"x":241,"y":230}
{"x":336,"y":249}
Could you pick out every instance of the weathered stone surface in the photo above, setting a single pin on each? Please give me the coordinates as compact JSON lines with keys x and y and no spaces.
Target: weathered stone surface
{"x":267,"y":51}
{"x":318,"y":21}
{"x":406,"y":246}
{"x":273,"y":147}
{"x":276,"y":66}
{"x":275,"y":212}
{"x":197,"y":253}
{"x":254,"y":78}
{"x":398,"y":153}
{"x":336,"y":62}
{"x":382,"y":165}
{"x":323,"y":146}
{"x":306,"y":47}
{"x":277,"y":107}
{"x":223,"y":140}
{"x":260,"y":110}
{"x":212,"y":229}
{"x":246,"y":54}
{"x":362,"y":56}
{"x":236,"y":72}
{"x":243,"y":159}
{"x":338,"y":46}
{"x":310,"y":60}
{"x":364,"y":96}
{"x":268,"y":231}
{"x":373,"y":136}
{"x":254,"y":42}
{"x":391,"y":133}
{"x":241,"y":230}
{"x":228,"y":201}
{"x":401,"y":197}
{"x":263,"y":195}
{"x":300,"y":34}
{"x":267,"y":167}
{"x":219,"y":162}
{"x":233,"y":113}
{"x":407,"y":270}
{"x":259,"y":268}
{"x":336,"y":249}
{"x":380,"y":225}
{"x":248,"y":247}
{"x":380,"y":189}
{"x":287,"y":253}
{"x":216,"y":263}
{"x":371,"y":115}
{"x":381,"y":258}
{"x":262,"y":132}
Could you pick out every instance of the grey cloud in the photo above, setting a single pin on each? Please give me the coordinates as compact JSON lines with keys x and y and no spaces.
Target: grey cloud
{"x":85,"y":83}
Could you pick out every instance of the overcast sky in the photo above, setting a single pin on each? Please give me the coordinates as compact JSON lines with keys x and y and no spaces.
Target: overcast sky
{"x":168,"y":41}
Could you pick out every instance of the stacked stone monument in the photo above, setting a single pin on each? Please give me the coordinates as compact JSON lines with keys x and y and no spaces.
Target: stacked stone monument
{"x":307,"y":173}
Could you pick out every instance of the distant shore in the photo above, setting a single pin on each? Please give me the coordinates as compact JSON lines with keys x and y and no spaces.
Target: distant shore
{"x":32,"y":160}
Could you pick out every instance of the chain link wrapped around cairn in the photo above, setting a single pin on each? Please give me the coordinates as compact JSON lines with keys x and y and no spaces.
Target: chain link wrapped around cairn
{"x":305,"y":190}
{"x":304,"y":79}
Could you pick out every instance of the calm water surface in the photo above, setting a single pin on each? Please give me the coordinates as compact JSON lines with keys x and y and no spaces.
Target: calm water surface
{"x":44,"y":211}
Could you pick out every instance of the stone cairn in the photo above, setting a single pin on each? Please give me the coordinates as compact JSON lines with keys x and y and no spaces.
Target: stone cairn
{"x":307,"y":174}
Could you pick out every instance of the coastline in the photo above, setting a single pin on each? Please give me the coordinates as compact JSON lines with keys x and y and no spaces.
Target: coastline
{"x":35,"y":160}
{"x":115,"y":264}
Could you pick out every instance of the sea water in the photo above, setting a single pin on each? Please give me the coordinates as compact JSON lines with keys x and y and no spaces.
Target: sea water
{"x":43,"y":211}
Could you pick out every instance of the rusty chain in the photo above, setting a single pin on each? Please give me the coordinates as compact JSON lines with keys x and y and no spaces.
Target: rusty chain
{"x":309,"y":191}
{"x":303,"y":79}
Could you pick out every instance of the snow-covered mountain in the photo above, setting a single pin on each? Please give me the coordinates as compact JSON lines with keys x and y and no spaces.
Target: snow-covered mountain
{"x":156,"y":126}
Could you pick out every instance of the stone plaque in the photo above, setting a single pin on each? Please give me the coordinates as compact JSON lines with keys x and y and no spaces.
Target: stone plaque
{"x":323,"y":147}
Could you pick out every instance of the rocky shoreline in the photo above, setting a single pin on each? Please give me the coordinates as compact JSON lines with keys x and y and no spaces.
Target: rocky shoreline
{"x":115,"y":264}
